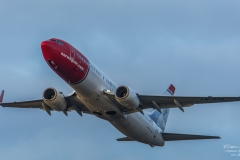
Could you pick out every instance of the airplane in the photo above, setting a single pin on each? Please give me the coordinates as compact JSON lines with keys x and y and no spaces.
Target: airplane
{"x":140,"y":118}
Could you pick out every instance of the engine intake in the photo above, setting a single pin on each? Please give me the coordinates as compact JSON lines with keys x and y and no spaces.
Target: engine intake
{"x":127,"y":97}
{"x":122,"y":92}
{"x":54,"y":99}
{"x":49,"y":94}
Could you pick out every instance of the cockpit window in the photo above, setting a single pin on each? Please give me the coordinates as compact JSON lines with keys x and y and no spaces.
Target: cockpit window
{"x":53,"y":40}
{"x":56,"y":40}
{"x":59,"y":42}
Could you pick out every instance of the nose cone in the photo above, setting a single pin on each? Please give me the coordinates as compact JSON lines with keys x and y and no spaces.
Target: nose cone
{"x":44,"y":45}
{"x":46,"y":48}
{"x":50,"y":49}
{"x":65,"y":60}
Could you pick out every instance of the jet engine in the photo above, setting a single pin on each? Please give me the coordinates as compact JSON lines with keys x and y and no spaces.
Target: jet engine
{"x":54,"y":99}
{"x":127,"y":97}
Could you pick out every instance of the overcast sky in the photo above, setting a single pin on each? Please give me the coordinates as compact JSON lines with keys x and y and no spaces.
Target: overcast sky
{"x":145,"y":45}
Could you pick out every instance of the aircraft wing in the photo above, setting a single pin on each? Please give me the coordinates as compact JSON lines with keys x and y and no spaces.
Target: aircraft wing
{"x":158,"y":102}
{"x":24,"y":104}
{"x":181,"y":101}
{"x":72,"y":104}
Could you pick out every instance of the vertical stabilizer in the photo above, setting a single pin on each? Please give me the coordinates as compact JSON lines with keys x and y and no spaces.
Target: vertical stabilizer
{"x":161,"y":118}
{"x":170,"y":90}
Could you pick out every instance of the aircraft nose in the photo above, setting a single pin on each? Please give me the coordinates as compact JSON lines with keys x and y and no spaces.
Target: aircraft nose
{"x":45,"y":46}
{"x":65,"y":60}
{"x":49,"y":53}
{"x":49,"y":50}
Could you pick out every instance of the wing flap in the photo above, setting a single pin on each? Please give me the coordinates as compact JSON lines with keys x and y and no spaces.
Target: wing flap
{"x":178,"y":137}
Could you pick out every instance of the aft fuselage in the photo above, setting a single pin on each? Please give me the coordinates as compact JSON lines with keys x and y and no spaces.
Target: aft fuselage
{"x":89,"y":82}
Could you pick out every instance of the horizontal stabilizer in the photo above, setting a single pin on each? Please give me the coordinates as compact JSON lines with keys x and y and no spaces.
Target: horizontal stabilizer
{"x":125,"y":139}
{"x":178,"y":137}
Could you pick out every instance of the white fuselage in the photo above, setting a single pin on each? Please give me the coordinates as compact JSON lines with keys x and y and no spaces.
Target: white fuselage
{"x":136,"y":126}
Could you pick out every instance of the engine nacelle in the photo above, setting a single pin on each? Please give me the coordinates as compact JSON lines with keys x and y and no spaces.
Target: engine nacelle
{"x":54,"y":99}
{"x":127,"y":97}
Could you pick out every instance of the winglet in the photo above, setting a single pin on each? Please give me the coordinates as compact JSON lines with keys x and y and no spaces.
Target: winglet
{"x":171,"y":89}
{"x":1,"y":97}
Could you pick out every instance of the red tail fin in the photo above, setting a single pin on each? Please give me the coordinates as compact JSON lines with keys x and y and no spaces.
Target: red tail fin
{"x":1,"y":97}
{"x":171,"y":89}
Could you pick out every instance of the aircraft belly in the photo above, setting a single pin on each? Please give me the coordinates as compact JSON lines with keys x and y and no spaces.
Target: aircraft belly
{"x":86,"y":88}
{"x":136,"y":127}
{"x":90,"y":92}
